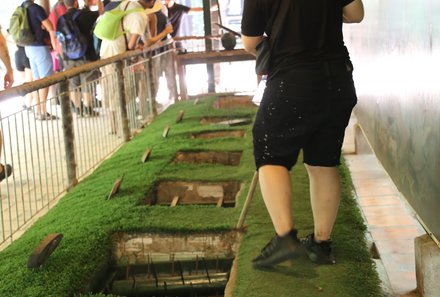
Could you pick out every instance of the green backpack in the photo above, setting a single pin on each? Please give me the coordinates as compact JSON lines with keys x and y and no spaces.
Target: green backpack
{"x":19,"y":25}
{"x":108,"y":27}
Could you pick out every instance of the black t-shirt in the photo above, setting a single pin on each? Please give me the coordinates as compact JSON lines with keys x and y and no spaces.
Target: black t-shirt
{"x":161,"y":23}
{"x":312,"y":30}
{"x":86,"y":22}
{"x":175,"y":15}
{"x":36,"y":15}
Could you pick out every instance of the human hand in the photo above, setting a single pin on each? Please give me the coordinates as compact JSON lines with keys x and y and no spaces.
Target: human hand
{"x":168,"y":29}
{"x":8,"y":81}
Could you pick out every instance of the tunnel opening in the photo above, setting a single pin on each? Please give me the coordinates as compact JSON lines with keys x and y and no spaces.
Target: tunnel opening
{"x":208,"y":157}
{"x":171,"y":264}
{"x":175,"y":193}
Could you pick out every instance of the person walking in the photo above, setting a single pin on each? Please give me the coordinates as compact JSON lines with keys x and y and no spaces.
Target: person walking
{"x":8,"y":81}
{"x":23,"y":67}
{"x":39,"y":53}
{"x":306,"y":106}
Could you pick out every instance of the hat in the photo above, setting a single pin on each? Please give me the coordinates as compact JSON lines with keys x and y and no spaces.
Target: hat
{"x":156,"y":7}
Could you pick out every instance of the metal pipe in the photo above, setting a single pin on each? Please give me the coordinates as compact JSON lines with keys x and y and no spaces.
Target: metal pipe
{"x":25,"y":88}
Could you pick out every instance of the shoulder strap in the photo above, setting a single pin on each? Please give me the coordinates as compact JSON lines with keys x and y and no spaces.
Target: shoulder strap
{"x":279,"y":20}
{"x":75,"y":14}
{"x":122,"y":25}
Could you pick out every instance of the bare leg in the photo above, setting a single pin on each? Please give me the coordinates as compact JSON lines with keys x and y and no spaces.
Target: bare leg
{"x":277,"y":194}
{"x":43,"y":93}
{"x":88,"y":104}
{"x":324,"y":197}
{"x":29,"y":96}
{"x":87,"y":98}
{"x":75,"y":97}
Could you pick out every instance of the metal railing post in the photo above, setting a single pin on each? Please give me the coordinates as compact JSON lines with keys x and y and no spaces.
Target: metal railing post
{"x":172,"y":56}
{"x":122,"y":100}
{"x":69,"y":136}
{"x":152,"y":72}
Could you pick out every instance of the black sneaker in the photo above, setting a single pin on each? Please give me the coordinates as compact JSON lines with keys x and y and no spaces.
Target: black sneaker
{"x":7,"y":171}
{"x":320,"y":253}
{"x":279,"y":249}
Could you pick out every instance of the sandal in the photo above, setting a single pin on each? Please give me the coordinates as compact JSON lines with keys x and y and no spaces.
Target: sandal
{"x":7,"y":171}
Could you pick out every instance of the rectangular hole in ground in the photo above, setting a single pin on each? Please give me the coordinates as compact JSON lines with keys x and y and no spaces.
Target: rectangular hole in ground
{"x":208,"y":157}
{"x":226,"y":121}
{"x":175,"y":193}
{"x":220,"y":134}
{"x":234,"y":101}
{"x":171,"y":264}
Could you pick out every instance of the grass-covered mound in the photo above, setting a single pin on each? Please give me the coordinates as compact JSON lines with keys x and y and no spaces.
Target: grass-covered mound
{"x":87,"y":219}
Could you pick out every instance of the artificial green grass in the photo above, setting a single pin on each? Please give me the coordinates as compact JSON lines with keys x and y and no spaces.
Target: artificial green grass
{"x":354,"y":274}
{"x":87,"y":219}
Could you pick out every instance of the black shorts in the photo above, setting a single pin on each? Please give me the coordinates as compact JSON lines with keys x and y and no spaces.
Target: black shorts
{"x":21,"y":60}
{"x":307,"y":108}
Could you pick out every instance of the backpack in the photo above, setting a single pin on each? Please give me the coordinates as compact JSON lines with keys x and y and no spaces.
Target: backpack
{"x":19,"y":25}
{"x":97,"y":41}
{"x":73,"y":42}
{"x":109,"y":26}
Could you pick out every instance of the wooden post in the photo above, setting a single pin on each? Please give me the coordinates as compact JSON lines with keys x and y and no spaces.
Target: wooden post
{"x":208,"y":43}
{"x":69,"y":136}
{"x":153,"y":81}
{"x":182,"y":80}
{"x":122,"y":100}
{"x":247,"y":203}
{"x":172,"y":70}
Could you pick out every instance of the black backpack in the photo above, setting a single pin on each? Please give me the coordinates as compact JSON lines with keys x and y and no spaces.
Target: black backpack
{"x":73,"y":42}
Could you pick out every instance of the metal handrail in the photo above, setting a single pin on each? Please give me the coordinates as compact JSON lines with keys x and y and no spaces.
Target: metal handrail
{"x":28,"y":87}
{"x":48,"y":157}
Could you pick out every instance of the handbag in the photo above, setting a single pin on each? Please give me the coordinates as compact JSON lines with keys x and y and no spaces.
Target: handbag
{"x":265,"y":46}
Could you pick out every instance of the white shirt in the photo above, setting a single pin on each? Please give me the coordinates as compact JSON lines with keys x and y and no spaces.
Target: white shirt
{"x":134,"y":23}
